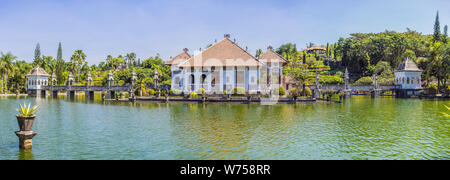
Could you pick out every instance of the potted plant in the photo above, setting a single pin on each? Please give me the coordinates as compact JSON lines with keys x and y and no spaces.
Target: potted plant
{"x":26,"y":116}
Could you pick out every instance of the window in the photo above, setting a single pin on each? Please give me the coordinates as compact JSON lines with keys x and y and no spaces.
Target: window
{"x":203,"y":78}
{"x":253,"y":79}
{"x":407,"y":80}
{"x":228,"y":79}
{"x":177,"y":80}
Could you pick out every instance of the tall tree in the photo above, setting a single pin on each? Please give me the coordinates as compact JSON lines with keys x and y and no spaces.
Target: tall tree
{"x":78,"y":58}
{"x":6,"y":66}
{"x":59,"y":65}
{"x":437,"y":28}
{"x":37,"y":55}
{"x":445,"y":34}
{"x":131,"y":59}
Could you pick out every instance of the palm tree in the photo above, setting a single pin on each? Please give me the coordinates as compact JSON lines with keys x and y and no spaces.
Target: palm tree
{"x":142,"y":84}
{"x":78,"y":58}
{"x":6,"y":67}
{"x":131,"y":58}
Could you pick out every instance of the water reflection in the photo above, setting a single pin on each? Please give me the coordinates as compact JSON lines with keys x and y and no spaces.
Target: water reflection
{"x":25,"y":155}
{"x":360,"y":128}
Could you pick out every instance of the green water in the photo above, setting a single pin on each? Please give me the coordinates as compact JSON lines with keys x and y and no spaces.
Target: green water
{"x":360,"y":128}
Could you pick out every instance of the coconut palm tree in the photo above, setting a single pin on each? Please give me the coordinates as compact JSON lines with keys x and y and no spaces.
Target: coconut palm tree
{"x":142,"y":83}
{"x":6,"y":67}
{"x":78,"y":58}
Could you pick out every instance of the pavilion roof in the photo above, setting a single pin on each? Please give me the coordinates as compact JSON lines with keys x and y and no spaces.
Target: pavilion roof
{"x":37,"y":71}
{"x":313,"y":48}
{"x":223,"y":53}
{"x":408,"y":65}
{"x":179,"y":58}
{"x":271,"y":56}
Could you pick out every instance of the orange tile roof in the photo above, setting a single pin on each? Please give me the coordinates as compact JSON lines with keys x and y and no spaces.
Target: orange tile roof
{"x":179,"y":58}
{"x":223,"y":53}
{"x":316,"y":48}
{"x":271,"y":56}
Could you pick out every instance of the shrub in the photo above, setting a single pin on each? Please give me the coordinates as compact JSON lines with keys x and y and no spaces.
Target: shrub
{"x":201,"y":91}
{"x":329,"y":79}
{"x":224,"y":91}
{"x":281,"y":91}
{"x":239,"y":91}
{"x":151,"y":92}
{"x":364,"y":81}
{"x":293,"y":92}
{"x":175,"y":91}
{"x":307,"y":91}
{"x":193,"y":95}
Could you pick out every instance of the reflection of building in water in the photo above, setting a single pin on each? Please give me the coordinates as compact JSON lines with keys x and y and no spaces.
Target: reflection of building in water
{"x":224,"y":66}
{"x":408,"y":76}
{"x":36,"y":79}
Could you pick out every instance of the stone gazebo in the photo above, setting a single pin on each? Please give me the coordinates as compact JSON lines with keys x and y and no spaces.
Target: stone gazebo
{"x":408,"y":78}
{"x":37,"y":78}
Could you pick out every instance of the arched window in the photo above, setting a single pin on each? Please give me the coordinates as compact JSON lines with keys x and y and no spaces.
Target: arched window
{"x":407,"y":80}
{"x":192,"y":79}
{"x":203,"y":79}
{"x":413,"y":80}
{"x":177,"y":80}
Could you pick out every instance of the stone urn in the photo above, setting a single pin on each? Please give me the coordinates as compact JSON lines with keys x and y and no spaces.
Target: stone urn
{"x":25,"y":122}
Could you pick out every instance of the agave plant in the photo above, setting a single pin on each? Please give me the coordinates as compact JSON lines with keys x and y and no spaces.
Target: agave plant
{"x":26,"y":111}
{"x":445,"y":114}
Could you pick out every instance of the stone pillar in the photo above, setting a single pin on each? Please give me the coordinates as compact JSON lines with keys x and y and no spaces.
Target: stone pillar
{"x":25,"y":139}
{"x":347,"y":91}
{"x":376,"y":90}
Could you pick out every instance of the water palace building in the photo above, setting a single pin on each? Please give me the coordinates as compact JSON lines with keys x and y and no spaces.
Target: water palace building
{"x":224,"y":66}
{"x":408,"y":76}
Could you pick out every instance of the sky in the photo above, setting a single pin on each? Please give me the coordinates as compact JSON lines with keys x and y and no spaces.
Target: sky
{"x":165,"y":27}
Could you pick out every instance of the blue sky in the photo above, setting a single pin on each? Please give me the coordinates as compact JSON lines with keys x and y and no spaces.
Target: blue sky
{"x":102,"y":27}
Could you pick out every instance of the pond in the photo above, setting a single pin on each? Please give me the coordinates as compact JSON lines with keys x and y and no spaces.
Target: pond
{"x":358,"y":128}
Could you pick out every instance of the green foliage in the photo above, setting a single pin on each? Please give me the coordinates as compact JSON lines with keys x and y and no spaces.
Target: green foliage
{"x":308,"y":91}
{"x":201,"y":91}
{"x":175,"y":91}
{"x":239,"y":91}
{"x":193,"y":95}
{"x":281,"y":91}
{"x":224,"y":92}
{"x":294,"y":92}
{"x":331,"y":79}
{"x":151,"y":92}
{"x":364,"y":81}
{"x":26,"y":111}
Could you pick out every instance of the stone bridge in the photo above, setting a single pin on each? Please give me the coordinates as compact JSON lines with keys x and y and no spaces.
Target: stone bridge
{"x":88,"y":90}
{"x":343,"y":87}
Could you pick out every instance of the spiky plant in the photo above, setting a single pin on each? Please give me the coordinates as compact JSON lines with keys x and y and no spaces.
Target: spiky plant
{"x":27,"y":111}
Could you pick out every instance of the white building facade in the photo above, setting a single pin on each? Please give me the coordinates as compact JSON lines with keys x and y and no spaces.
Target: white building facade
{"x":224,"y":66}
{"x":408,"y":77}
{"x":37,"y":78}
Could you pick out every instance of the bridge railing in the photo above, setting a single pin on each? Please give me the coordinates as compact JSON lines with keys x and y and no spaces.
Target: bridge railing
{"x":354,"y":87}
{"x":87,"y":88}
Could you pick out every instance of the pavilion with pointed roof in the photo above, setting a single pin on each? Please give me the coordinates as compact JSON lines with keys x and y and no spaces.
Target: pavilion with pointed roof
{"x":36,"y":79}
{"x":408,"y":77}
{"x":222,"y":67}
